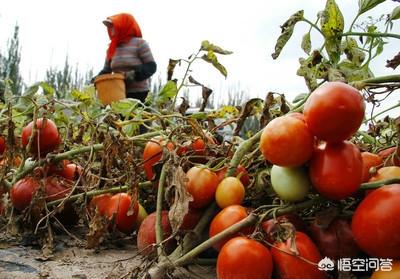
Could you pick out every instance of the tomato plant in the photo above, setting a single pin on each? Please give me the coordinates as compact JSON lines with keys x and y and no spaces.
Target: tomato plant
{"x":334,"y":111}
{"x":47,"y":138}
{"x":229,"y":191}
{"x":202,"y":184}
{"x":244,"y":258}
{"x":369,"y":160}
{"x":334,"y":239}
{"x":290,"y":184}
{"x":224,"y":219}
{"x":22,"y":192}
{"x":286,"y":141}
{"x":301,"y":264}
{"x":336,"y":169}
{"x":375,"y":226}
{"x":124,"y":212}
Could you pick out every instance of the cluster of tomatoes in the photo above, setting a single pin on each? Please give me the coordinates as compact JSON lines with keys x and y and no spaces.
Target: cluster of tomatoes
{"x":57,"y":179}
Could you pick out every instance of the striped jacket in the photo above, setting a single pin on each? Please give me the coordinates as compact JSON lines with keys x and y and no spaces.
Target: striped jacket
{"x":134,"y":55}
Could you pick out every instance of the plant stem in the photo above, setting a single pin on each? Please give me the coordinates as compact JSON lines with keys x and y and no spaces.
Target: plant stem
{"x":93,"y":193}
{"x":361,"y":84}
{"x":377,"y":184}
{"x":248,"y":221}
{"x":382,"y":112}
{"x":242,"y":150}
{"x":373,"y":35}
{"x":313,"y":25}
{"x":160,"y":196}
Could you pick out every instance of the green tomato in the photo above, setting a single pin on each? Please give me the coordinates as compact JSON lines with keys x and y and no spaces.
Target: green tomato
{"x":290,"y":184}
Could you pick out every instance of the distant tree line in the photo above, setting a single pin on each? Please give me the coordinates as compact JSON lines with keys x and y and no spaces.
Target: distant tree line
{"x":62,"y":80}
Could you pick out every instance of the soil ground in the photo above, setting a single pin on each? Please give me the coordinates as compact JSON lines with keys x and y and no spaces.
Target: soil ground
{"x":22,"y":258}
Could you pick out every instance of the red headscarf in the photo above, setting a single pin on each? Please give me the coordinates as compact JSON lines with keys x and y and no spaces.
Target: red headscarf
{"x":125,"y":27}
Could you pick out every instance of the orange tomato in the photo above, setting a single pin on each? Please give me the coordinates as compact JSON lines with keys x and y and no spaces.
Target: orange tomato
{"x":230,"y":191}
{"x":386,"y":173}
{"x":369,"y":160}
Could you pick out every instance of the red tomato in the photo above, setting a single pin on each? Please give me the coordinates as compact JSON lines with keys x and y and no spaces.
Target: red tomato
{"x":390,"y":156}
{"x":336,"y":240}
{"x":336,"y":169}
{"x":146,"y":236}
{"x":297,"y":115}
{"x":383,"y":274}
{"x":71,"y":171}
{"x":289,"y":265}
{"x":100,"y":202}
{"x":202,"y":185}
{"x":125,"y":214}
{"x":2,"y":144}
{"x":56,"y":188}
{"x":244,"y":175}
{"x":224,"y":219}
{"x":375,"y":223}
{"x":287,"y":142}
{"x":230,"y":191}
{"x":369,"y":160}
{"x":22,"y":192}
{"x":47,"y":136}
{"x":245,"y":259}
{"x":334,"y":111}
{"x":152,"y":154}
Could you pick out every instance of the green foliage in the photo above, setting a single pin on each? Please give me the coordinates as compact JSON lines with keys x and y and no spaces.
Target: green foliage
{"x":344,"y":56}
{"x":9,"y":65}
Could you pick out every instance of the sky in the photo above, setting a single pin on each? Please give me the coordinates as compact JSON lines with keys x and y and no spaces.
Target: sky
{"x":49,"y":30}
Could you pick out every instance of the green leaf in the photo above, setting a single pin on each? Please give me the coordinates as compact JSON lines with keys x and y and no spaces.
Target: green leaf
{"x":395,"y":14}
{"x":366,"y":5}
{"x":48,"y":90}
{"x":207,"y":46}
{"x":24,"y":103}
{"x":167,"y":93}
{"x":299,"y":97}
{"x":286,"y":32}
{"x":212,"y":58}
{"x":124,"y":106}
{"x":225,"y":112}
{"x":306,"y":43}
{"x":332,"y":25}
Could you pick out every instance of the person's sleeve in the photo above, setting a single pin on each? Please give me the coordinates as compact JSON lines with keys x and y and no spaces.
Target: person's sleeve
{"x":149,"y":66}
{"x":106,"y":68}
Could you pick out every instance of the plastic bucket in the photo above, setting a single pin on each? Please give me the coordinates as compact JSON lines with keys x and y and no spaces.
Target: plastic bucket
{"x":110,"y":87}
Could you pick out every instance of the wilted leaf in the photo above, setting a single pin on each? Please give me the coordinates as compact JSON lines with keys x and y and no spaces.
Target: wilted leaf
{"x":286,"y":32}
{"x":183,"y":106}
{"x":212,"y":58}
{"x":394,"y":62}
{"x":395,"y":13}
{"x":250,"y":108}
{"x":335,"y":75}
{"x":352,"y":51}
{"x":98,"y":226}
{"x":332,"y":25}
{"x":225,"y":112}
{"x":171,"y":67}
{"x":353,"y":72}
{"x":306,"y":43}
{"x":366,"y":5}
{"x":207,"y":46}
{"x":168,"y":92}
{"x":177,"y":191}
